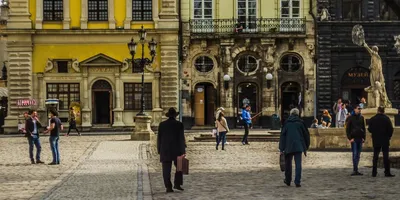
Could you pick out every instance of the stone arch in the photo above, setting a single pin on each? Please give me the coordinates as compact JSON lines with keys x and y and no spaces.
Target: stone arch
{"x":104,"y":79}
{"x":204,"y":81}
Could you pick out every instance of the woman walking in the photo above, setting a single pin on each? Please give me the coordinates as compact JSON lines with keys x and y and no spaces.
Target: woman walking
{"x":72,"y":123}
{"x":222,"y":128}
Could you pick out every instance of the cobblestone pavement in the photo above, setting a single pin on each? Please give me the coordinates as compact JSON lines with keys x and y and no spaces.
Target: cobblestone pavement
{"x":252,"y":172}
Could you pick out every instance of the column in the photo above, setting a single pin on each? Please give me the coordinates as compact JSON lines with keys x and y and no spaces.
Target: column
{"x":84,"y":14}
{"x":111,"y":17}
{"x":157,"y":110}
{"x":168,"y":15}
{"x":155,"y":13}
{"x":86,"y":112}
{"x":19,"y":17}
{"x":118,"y":111}
{"x":39,"y":14}
{"x":128,"y":17}
{"x":66,"y":14}
{"x":41,"y":87}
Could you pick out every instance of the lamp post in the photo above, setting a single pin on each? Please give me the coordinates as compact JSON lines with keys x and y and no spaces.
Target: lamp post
{"x":269,"y":78}
{"x":226,"y":79}
{"x":143,"y":61}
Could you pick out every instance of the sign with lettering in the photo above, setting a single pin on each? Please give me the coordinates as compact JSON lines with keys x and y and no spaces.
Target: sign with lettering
{"x":26,"y":102}
{"x":101,"y":69}
{"x":62,"y":78}
{"x":358,"y":74}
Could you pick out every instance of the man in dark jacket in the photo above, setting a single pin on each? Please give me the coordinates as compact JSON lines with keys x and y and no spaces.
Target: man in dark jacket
{"x":170,"y":145}
{"x":32,"y":125}
{"x":294,"y":140}
{"x":381,"y":129}
{"x":355,"y":130}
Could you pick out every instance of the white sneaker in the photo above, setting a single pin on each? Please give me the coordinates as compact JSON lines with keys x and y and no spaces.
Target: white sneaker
{"x":226,"y":142}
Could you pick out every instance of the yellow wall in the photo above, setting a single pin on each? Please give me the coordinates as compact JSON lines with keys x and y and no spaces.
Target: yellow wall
{"x":32,"y":10}
{"x":82,"y":52}
{"x":120,"y":12}
{"x":75,"y":13}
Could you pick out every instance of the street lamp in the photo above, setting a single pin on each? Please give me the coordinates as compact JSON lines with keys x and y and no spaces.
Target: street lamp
{"x":143,"y":61}
{"x":269,"y":78}
{"x":226,"y":79}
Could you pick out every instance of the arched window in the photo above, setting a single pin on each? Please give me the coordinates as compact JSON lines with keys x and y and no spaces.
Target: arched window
{"x":204,"y":64}
{"x":290,"y":63}
{"x":396,"y":86}
{"x":247,"y":64}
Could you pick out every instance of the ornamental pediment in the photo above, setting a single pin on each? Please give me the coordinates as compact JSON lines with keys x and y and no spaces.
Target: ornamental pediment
{"x":100,"y":60}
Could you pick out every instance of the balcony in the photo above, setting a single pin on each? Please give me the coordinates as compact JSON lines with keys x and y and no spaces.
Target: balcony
{"x":215,"y":28}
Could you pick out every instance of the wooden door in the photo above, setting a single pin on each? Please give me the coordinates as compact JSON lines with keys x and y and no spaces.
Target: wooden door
{"x":199,"y":106}
{"x":111,"y":107}
{"x":210,"y":104}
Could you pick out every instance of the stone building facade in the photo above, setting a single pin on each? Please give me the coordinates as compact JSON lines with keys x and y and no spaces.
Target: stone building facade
{"x":76,"y":51}
{"x":343,"y":67}
{"x":247,"y":52}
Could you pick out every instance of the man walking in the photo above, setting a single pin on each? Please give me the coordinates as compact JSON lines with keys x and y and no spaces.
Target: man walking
{"x":355,"y":130}
{"x":32,"y":125}
{"x":54,"y":129}
{"x":294,"y":140}
{"x":170,"y":145}
{"x":247,"y":123}
{"x":381,"y":129}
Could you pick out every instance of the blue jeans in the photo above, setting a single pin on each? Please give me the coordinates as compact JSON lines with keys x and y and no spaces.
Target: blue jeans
{"x":54,"y":149}
{"x":356,"y":148}
{"x":288,"y":167}
{"x":36,"y":142}
{"x":221,"y":137}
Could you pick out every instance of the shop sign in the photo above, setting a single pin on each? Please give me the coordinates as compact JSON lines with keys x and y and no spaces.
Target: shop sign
{"x":358,"y":74}
{"x":101,"y":69}
{"x":26,"y":102}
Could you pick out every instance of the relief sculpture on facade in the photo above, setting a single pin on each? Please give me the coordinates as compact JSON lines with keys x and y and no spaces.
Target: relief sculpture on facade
{"x":397,"y":44}
{"x":49,"y":65}
{"x":270,"y":57}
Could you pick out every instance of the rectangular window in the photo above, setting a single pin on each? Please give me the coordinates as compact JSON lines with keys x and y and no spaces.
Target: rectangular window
{"x":202,"y":9}
{"x":351,"y":10}
{"x":98,"y":10}
{"x":52,"y":10}
{"x":62,"y":66}
{"x":247,"y":13}
{"x":142,"y":10}
{"x":64,"y":92}
{"x":132,"y":95}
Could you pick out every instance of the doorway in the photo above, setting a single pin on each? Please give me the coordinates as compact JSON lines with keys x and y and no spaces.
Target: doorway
{"x":247,"y":95}
{"x":102,"y":102}
{"x":353,"y":83}
{"x":290,"y":93}
{"x":204,"y":104}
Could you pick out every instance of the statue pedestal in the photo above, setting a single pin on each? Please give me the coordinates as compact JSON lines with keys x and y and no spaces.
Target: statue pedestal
{"x":142,"y":131}
{"x":368,"y":113}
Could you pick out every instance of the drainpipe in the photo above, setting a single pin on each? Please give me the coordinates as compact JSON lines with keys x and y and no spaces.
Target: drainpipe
{"x":180,"y":58}
{"x":315,"y":55}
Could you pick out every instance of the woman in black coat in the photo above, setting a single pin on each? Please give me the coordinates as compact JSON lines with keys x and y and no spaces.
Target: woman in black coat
{"x":72,"y":122}
{"x":170,"y":145}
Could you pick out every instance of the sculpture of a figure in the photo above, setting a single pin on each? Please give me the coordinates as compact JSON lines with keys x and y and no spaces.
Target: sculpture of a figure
{"x":397,"y":44}
{"x":376,"y":77}
{"x":325,"y":15}
{"x":269,"y":57}
{"x":228,"y":58}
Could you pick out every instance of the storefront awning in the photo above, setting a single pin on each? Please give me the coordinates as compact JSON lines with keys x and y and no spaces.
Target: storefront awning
{"x":3,"y":92}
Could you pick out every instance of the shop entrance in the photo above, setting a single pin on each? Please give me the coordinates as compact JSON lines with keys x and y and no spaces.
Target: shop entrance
{"x":204,"y":104}
{"x":354,"y":81}
{"x":290,"y":93}
{"x":102,"y":102}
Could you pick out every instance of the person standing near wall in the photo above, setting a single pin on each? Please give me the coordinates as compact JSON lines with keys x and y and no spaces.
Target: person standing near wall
{"x":247,"y":124}
{"x":355,"y":130}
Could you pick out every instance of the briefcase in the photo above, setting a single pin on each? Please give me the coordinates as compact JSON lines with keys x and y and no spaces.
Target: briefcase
{"x":282,"y":162}
{"x":182,"y":165}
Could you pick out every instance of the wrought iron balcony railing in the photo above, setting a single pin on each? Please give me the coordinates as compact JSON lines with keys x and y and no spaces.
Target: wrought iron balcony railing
{"x":239,"y":26}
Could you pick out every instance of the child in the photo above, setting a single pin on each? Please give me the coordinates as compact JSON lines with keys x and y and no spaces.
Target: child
{"x":314,"y":123}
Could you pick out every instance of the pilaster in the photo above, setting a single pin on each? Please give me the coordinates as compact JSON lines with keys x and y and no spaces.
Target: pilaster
{"x":86,"y":112}
{"x":19,"y":17}
{"x":84,"y":14}
{"x":111,"y":18}
{"x":66,"y":14}
{"x":168,"y":15}
{"x":128,"y":17}
{"x":118,"y":110}
{"x":39,"y":14}
{"x":157,"y":110}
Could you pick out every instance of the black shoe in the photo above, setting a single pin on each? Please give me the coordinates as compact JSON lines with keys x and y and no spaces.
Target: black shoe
{"x":359,"y":174}
{"x":178,"y":188}
{"x":169,"y":190}
{"x":247,"y":144}
{"x":356,"y":174}
{"x":298,"y":185}
{"x":39,"y":162}
{"x":389,"y":175}
{"x":216,"y":147}
{"x":33,"y":162}
{"x":52,"y":163}
{"x":223,"y":149}
{"x":286,"y":182}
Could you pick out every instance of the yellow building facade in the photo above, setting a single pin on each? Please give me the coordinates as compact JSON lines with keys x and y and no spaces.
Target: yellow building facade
{"x":76,"y":51}
{"x":239,"y":52}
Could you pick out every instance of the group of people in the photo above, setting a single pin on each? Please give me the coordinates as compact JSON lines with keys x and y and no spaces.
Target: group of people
{"x":32,"y":130}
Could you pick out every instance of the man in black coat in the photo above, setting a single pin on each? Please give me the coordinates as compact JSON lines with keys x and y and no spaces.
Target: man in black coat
{"x":355,"y":130}
{"x":32,"y":125}
{"x":170,"y":145}
{"x":381,"y":129}
{"x":294,"y":140}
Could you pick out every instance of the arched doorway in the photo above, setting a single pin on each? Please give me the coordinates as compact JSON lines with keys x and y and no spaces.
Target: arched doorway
{"x":102,"y":102}
{"x":247,"y":95}
{"x":204,"y":104}
{"x":290,"y":94}
{"x":354,"y":81}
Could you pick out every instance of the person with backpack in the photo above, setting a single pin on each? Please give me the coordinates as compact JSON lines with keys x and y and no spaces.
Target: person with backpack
{"x":222,"y":128}
{"x":355,"y":130}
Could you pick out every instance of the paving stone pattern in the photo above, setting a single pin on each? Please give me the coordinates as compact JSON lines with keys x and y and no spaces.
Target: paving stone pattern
{"x":252,"y":172}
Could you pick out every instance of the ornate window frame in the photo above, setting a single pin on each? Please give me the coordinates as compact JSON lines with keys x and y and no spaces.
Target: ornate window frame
{"x":39,"y":14}
{"x":293,"y":55}
{"x":85,"y":12}
{"x":250,"y":73}
{"x":128,"y":18}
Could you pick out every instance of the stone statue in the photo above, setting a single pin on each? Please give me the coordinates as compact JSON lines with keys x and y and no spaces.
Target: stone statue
{"x":324,"y":15}
{"x":228,"y":58}
{"x":269,"y":56}
{"x":397,"y":44}
{"x":376,"y":78}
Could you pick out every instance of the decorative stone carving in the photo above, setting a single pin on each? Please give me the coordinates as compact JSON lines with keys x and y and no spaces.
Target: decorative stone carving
{"x":397,"y":44}
{"x":291,"y":44}
{"x":227,"y":55}
{"x":75,"y":65}
{"x":185,"y":48}
{"x":324,"y":15}
{"x":311,"y":48}
{"x":86,"y":117}
{"x":125,"y":65}
{"x":269,"y":56}
{"x":49,"y":65}
{"x":204,"y":45}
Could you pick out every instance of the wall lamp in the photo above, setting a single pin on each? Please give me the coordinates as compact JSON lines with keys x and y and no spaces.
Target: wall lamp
{"x":226,"y":79}
{"x":269,"y":78}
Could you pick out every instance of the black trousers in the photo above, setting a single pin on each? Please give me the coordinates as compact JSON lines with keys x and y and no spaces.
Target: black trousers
{"x":386,"y":163}
{"x":166,"y":168}
{"x":70,"y":127}
{"x":246,"y":133}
